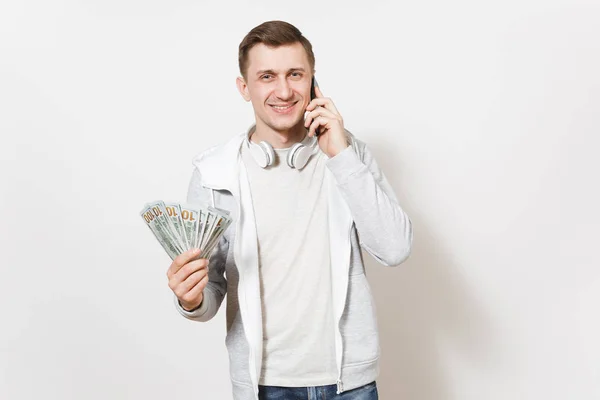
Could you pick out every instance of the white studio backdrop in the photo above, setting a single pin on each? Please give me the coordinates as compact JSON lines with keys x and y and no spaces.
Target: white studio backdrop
{"x":484,"y":116}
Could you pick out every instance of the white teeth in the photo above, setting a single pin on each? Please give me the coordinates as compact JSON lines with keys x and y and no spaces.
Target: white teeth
{"x":282,"y":108}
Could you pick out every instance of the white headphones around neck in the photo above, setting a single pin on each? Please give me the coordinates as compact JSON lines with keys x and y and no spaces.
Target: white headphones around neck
{"x":297,"y":157}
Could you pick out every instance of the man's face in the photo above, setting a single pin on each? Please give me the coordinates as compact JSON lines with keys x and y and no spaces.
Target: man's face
{"x":278,"y":84}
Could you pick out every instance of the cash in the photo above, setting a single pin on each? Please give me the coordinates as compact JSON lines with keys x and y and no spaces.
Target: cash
{"x":180,"y":227}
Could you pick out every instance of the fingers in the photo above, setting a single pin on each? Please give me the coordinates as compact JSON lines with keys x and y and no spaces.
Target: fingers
{"x":315,"y":124}
{"x":318,"y":92}
{"x":319,"y":111}
{"x":325,"y":102}
{"x":188,"y":269}
{"x":187,"y":276}
{"x":194,"y":293}
{"x":188,"y":290}
{"x":181,"y":260}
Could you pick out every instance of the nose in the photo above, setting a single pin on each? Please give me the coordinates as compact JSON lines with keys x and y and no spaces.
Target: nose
{"x":283,"y":89}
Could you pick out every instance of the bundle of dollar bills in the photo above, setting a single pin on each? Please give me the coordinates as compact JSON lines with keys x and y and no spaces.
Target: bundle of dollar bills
{"x":180,"y":227}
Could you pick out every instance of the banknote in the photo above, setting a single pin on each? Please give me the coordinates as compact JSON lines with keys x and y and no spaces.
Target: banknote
{"x":160,"y":211}
{"x":189,"y":215}
{"x":202,"y":217}
{"x":174,"y":214}
{"x":217,"y":217}
{"x":180,"y":227}
{"x":210,"y":219}
{"x":159,"y":231}
{"x":222,"y":225}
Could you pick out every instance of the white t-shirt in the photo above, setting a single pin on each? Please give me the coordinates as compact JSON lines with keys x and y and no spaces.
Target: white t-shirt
{"x":290,"y":207}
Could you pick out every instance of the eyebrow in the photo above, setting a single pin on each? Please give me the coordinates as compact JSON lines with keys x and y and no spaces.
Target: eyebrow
{"x":270,"y":71}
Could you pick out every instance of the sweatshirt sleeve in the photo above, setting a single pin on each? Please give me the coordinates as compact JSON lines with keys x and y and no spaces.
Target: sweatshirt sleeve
{"x":215,"y":290}
{"x":384,"y":229}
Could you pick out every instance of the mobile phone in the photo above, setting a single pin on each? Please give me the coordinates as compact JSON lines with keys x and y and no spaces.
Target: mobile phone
{"x":313,"y":95}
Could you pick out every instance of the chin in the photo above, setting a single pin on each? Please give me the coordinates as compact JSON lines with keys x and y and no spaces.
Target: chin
{"x":284,"y":125}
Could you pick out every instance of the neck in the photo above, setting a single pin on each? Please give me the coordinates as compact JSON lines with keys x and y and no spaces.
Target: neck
{"x":278,"y":139}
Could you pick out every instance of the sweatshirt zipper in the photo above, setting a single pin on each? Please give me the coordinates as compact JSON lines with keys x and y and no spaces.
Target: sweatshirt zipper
{"x":339,"y":383}
{"x":340,"y":386}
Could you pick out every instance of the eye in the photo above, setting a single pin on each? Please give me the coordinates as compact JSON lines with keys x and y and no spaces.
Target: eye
{"x":267,"y":76}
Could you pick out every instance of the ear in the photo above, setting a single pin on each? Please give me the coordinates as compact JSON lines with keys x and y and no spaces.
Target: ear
{"x":242,"y":88}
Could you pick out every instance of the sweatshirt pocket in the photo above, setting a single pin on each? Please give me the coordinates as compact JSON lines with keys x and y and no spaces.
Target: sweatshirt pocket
{"x":358,"y":324}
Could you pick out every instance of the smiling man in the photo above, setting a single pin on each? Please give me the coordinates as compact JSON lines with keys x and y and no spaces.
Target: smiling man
{"x":306,"y":196}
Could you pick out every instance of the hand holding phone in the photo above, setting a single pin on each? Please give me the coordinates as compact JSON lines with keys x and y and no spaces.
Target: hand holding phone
{"x":330,"y":125}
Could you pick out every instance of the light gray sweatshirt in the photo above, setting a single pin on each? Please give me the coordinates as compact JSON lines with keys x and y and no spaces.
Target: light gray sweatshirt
{"x":364,"y":212}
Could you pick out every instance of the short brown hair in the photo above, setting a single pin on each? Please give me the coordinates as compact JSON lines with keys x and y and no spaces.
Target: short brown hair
{"x":273,"y":34}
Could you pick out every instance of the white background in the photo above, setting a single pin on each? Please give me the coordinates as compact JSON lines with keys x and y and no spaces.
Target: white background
{"x":483,"y":115}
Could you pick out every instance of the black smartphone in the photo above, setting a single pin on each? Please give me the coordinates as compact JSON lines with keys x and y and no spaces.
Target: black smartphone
{"x":313,"y":95}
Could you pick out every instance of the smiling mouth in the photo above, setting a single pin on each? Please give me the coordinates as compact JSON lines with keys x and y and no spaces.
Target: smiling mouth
{"x":282,"y":109}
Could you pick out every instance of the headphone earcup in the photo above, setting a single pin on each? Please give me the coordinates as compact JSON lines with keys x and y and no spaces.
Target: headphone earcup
{"x":261,"y":154}
{"x":291,"y":153}
{"x":269,"y":151}
{"x":299,"y":155}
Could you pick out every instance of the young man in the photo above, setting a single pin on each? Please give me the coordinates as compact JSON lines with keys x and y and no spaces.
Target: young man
{"x":301,"y":321}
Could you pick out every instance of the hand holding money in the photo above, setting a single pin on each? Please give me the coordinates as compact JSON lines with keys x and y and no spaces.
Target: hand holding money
{"x":188,"y":234}
{"x":188,"y":276}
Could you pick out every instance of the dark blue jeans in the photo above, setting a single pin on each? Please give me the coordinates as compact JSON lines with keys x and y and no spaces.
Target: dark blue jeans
{"x":327,"y":392}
